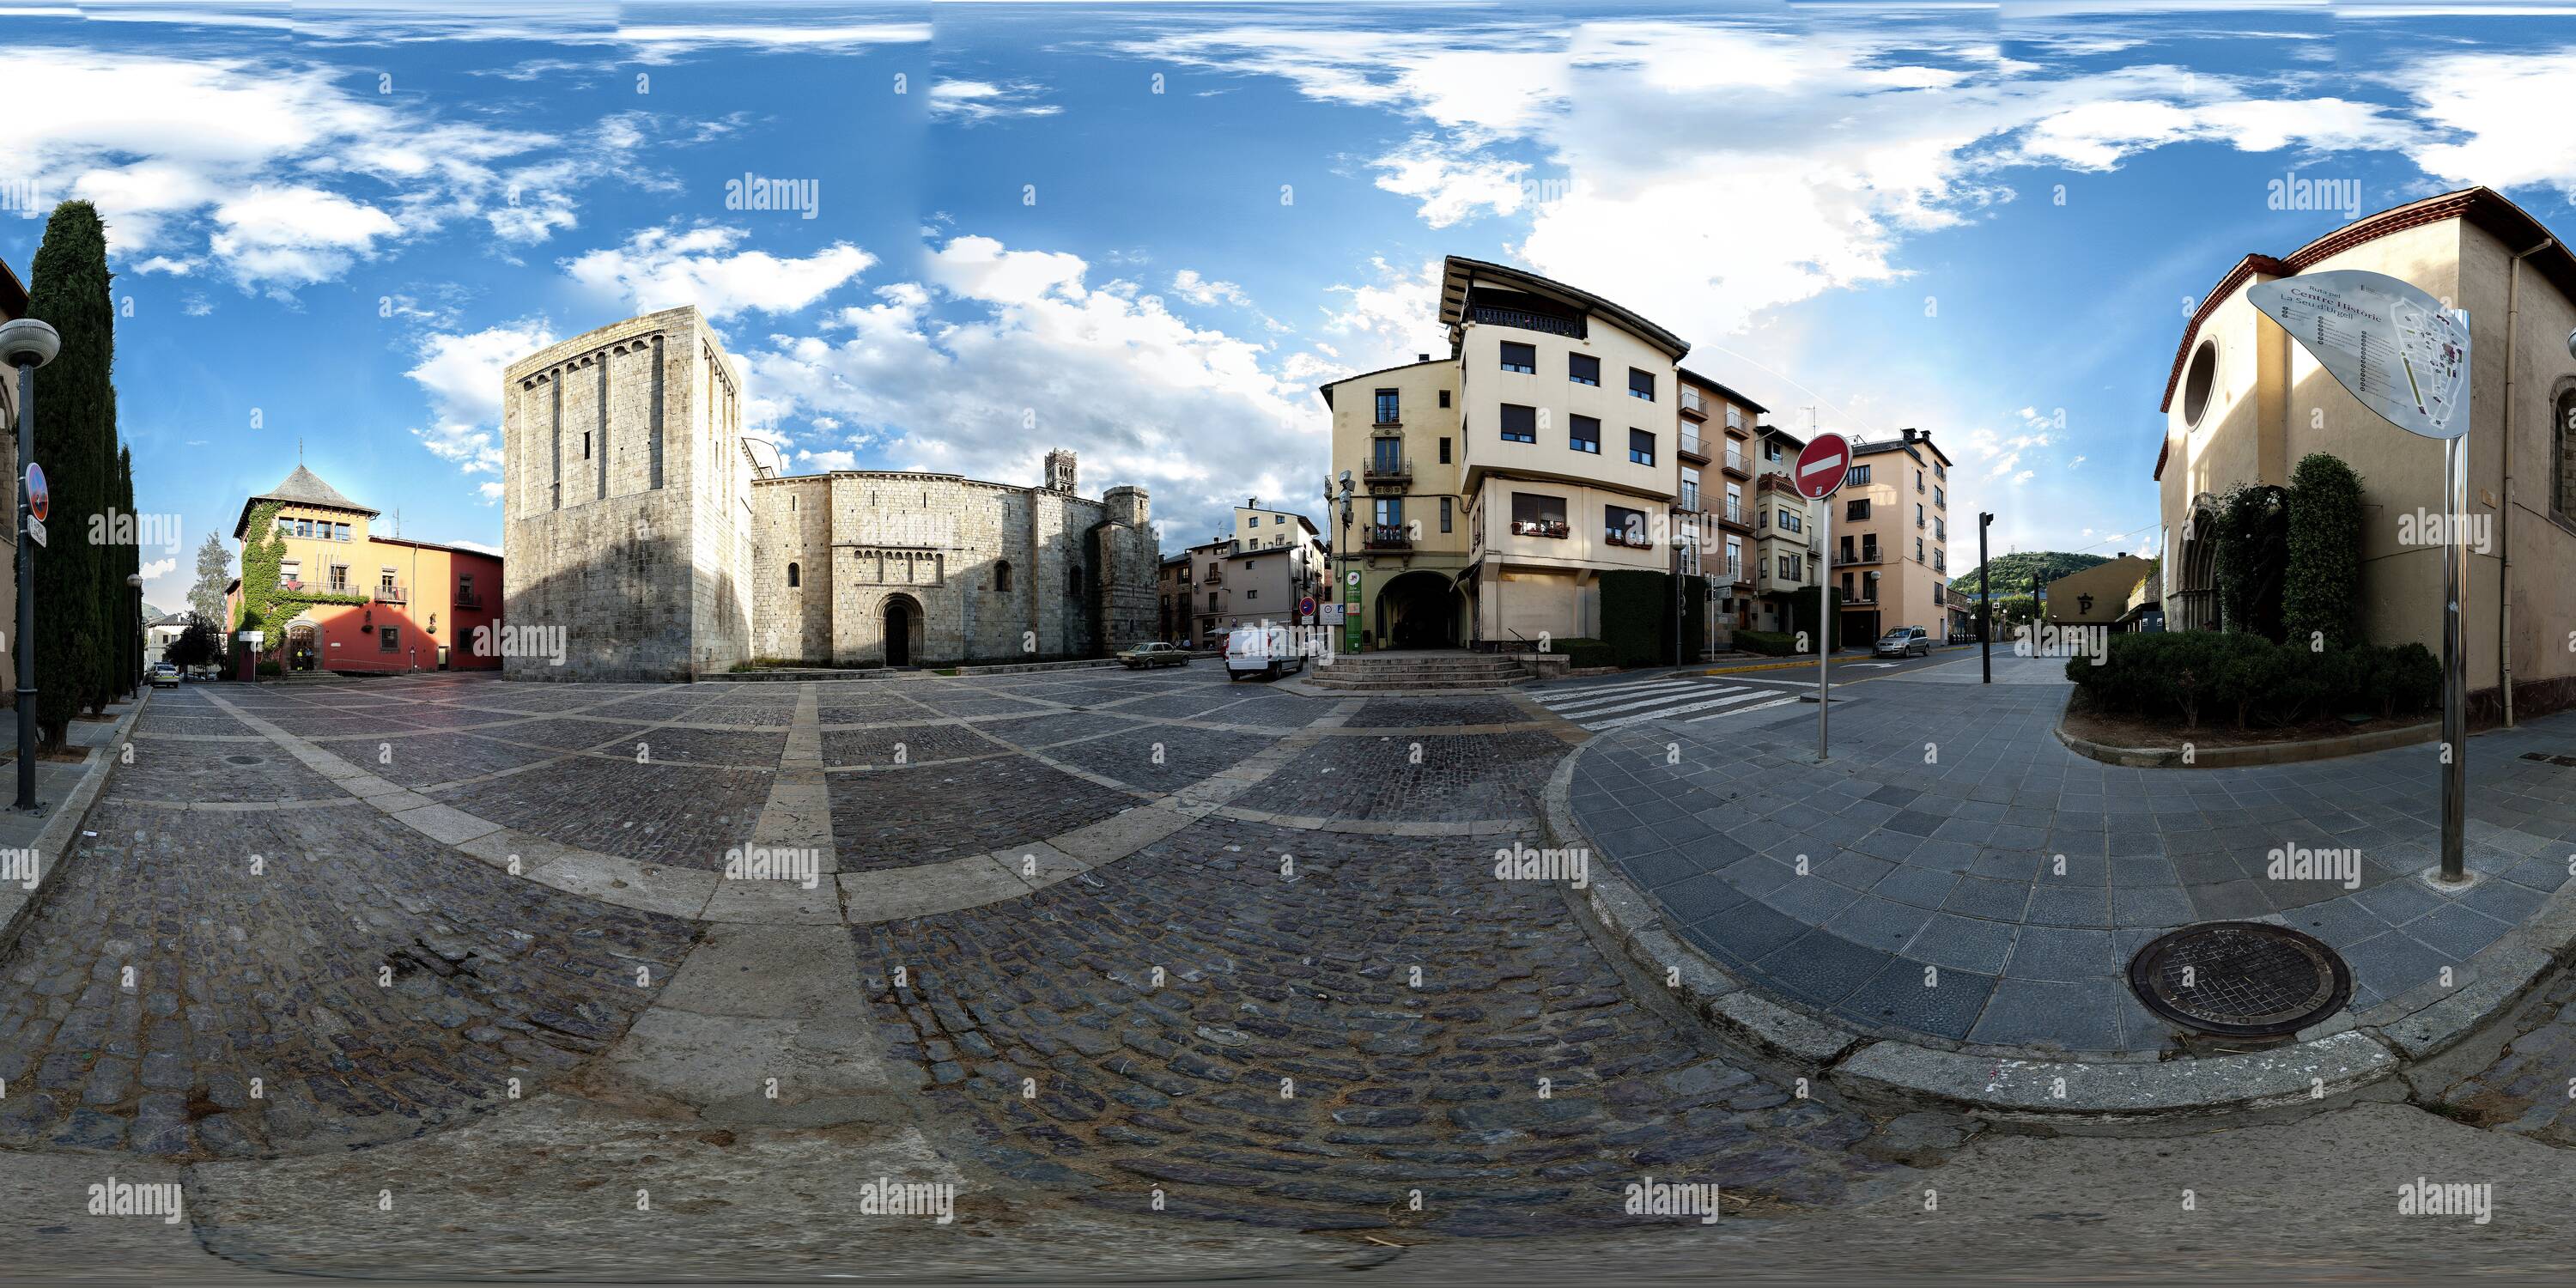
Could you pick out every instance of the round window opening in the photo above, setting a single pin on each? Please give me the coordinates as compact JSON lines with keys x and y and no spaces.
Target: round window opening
{"x":2196,"y":382}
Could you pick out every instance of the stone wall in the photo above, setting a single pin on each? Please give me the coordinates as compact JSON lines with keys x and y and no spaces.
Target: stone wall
{"x":634,"y":519}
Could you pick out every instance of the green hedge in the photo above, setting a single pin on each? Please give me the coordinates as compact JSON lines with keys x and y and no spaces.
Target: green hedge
{"x":2253,"y":682}
{"x":1585,"y":653}
{"x":1775,"y":643}
{"x":2321,"y":596}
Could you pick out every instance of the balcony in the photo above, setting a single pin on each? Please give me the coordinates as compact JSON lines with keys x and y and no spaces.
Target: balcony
{"x":1735,"y":462}
{"x":1213,"y":579}
{"x":468,"y":599}
{"x":1867,"y":555}
{"x":1733,"y":516}
{"x":1526,"y":321}
{"x":1630,"y":540}
{"x":1692,"y":404}
{"x":391,"y":593}
{"x":1386,"y":536}
{"x":1388,"y":471}
{"x":1736,"y":573}
{"x":1694,"y":446}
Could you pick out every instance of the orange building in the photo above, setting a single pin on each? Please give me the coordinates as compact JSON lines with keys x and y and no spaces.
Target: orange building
{"x":377,"y":603}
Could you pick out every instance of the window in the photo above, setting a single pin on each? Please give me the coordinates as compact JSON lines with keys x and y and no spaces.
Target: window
{"x":464,"y":583}
{"x":1856,"y":509}
{"x":1390,"y":511}
{"x":1444,"y":449}
{"x":1940,"y":501}
{"x":1585,"y":434}
{"x":1256,"y":522}
{"x":1788,"y":567}
{"x":1073,"y":580}
{"x":304,"y":527}
{"x":341,"y":531}
{"x":2562,"y":440}
{"x":1690,"y":488}
{"x":1918,"y":480}
{"x":585,"y":444}
{"x":1641,"y":447}
{"x":1002,"y":575}
{"x":1583,"y":369}
{"x":389,"y":639}
{"x":1734,"y":417}
{"x":2196,"y":386}
{"x":1625,"y":527}
{"x":1735,"y":502}
{"x":1734,"y":556}
{"x":1641,"y":384}
{"x":1538,"y":515}
{"x":795,"y":576}
{"x":1918,"y":550}
{"x":1251,"y":594}
{"x":1771,"y":449}
{"x":290,"y":572}
{"x":1857,"y":477}
{"x":1444,"y":513}
{"x":1918,"y":514}
{"x":1387,"y":407}
{"x":1211,"y":599}
{"x":285,"y":526}
{"x":339,"y":582}
{"x":1444,"y":397}
{"x":1520,"y":357}
{"x":1520,"y":424}
{"x":1792,"y":521}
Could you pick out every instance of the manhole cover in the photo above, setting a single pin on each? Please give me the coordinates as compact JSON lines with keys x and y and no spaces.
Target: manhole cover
{"x":245,"y":760}
{"x":2240,"y":978}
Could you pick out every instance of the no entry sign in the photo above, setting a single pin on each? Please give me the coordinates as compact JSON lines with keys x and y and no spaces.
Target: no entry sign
{"x":40,"y":499}
{"x":1821,"y":466}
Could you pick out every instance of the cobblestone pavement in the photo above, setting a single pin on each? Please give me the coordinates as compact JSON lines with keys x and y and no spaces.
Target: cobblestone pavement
{"x":1958,"y":842}
{"x":1310,"y":1030}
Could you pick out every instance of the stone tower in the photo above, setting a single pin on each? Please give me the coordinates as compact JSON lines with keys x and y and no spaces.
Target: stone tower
{"x":1059,"y":471}
{"x":624,"y":477}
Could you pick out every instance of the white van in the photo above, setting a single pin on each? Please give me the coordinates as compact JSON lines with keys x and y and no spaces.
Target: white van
{"x":1267,"y":650}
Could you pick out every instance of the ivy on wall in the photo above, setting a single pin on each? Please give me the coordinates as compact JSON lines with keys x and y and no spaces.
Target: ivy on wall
{"x":263,"y":600}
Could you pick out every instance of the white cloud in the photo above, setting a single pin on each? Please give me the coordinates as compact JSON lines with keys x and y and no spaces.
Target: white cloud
{"x":2501,"y":117}
{"x":973,"y":102}
{"x":1199,"y":290}
{"x":159,"y":568}
{"x":291,"y":237}
{"x":462,"y":376}
{"x":1025,"y":354}
{"x":1449,"y":188}
{"x":660,"y":268}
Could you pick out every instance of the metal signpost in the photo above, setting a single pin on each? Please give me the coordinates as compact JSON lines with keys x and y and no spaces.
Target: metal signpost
{"x":2407,"y":359}
{"x":1819,"y":472}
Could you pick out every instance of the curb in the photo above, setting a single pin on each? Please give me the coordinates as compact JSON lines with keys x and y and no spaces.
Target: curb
{"x":55,"y":838}
{"x":2278,"y":753}
{"x":2319,"y":1071}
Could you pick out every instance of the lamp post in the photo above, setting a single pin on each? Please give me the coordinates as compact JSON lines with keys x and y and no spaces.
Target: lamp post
{"x":1985,"y":602}
{"x":132,"y":653}
{"x":1348,"y":592}
{"x":27,"y":344}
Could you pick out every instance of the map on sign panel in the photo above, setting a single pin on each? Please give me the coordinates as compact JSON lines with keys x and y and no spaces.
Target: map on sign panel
{"x":2393,"y":346}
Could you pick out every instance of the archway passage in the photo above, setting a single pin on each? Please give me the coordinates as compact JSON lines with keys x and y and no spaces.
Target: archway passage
{"x":898,"y":632}
{"x":301,"y":648}
{"x":1418,"y":610}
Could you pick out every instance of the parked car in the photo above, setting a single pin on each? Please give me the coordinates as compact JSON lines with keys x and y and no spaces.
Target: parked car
{"x":1262,"y":650}
{"x":1904,"y":641}
{"x":1153,"y":654}
{"x":165,"y":675}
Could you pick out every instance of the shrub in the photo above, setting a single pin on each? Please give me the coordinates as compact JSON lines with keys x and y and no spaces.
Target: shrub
{"x":1773,"y":643}
{"x":1584,"y":654}
{"x":2323,"y":584}
{"x":1637,"y":616}
{"x":272,"y":667}
{"x":2253,"y":551}
{"x":2256,"y":683}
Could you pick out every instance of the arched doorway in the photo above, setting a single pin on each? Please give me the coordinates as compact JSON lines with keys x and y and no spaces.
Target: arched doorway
{"x":2193,"y":604}
{"x":302,"y":646}
{"x":903,"y":630}
{"x":1418,"y":610}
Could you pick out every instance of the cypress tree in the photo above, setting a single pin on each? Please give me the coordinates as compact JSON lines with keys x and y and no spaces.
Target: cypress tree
{"x":75,"y":416}
{"x":127,"y":657}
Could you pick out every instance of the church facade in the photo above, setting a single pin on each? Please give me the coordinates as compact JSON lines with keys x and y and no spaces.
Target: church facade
{"x":665,"y":545}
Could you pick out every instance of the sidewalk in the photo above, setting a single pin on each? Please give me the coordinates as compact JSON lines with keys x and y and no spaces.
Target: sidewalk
{"x":1958,"y":842}
{"x":64,"y":792}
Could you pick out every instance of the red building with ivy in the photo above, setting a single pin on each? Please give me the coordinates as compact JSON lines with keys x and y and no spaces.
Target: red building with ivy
{"x":340,"y":598}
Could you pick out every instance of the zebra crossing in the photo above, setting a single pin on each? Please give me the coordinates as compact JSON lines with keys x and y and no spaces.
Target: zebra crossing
{"x":1687,"y":699}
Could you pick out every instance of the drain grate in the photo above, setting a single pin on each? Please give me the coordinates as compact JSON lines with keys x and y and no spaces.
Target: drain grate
{"x":2240,"y":978}
{"x":2545,"y":758}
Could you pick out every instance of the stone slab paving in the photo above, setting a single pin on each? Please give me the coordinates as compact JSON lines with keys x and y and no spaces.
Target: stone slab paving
{"x":1954,"y":875}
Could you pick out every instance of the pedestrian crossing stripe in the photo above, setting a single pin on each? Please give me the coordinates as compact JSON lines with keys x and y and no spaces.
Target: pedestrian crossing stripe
{"x":1596,"y":705}
{"x":1723,"y":698}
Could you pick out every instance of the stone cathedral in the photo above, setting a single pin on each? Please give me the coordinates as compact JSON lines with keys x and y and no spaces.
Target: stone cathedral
{"x":640,"y":521}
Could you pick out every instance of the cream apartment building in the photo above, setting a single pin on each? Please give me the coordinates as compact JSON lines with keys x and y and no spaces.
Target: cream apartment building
{"x":1230,"y":585}
{"x":1394,"y":506}
{"x":2244,"y":404}
{"x":1788,"y":551}
{"x":1891,"y":540}
{"x":1257,"y":527}
{"x":1717,"y":427}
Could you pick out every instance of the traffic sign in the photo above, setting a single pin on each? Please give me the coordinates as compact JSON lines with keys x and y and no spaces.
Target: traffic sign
{"x":1821,"y":466}
{"x":35,"y":529}
{"x":2396,"y":348}
{"x":40,"y":499}
{"x":1306,"y":606}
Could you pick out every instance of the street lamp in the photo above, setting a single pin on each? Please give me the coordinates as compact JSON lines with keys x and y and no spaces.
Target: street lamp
{"x":1350,"y":629}
{"x":1985,"y":601}
{"x":132,"y":652}
{"x":27,"y":344}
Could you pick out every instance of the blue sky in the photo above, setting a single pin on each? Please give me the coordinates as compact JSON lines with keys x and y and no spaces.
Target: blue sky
{"x":1147,"y":232}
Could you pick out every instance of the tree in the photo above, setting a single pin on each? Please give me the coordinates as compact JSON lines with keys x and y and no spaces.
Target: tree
{"x":128,"y":654}
{"x":2252,"y":559}
{"x":2322,"y":594}
{"x":75,"y":417}
{"x":214,"y":568}
{"x":200,"y":643}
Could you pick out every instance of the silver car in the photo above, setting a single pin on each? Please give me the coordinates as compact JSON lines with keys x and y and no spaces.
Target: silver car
{"x":1904,"y":641}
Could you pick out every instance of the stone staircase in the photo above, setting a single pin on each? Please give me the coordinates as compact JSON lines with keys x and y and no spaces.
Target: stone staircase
{"x":1458,"y":671}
